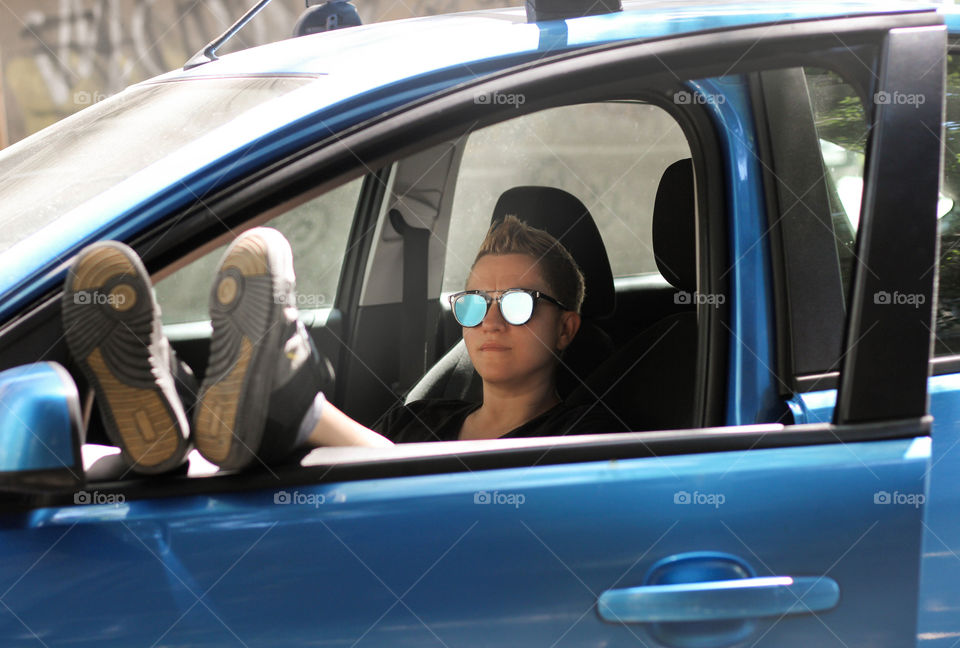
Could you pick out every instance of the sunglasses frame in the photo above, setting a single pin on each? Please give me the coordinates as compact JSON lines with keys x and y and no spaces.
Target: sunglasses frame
{"x":489,"y":298}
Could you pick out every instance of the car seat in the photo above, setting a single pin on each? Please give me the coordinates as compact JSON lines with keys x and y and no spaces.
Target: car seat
{"x":650,"y":383}
{"x":567,"y":219}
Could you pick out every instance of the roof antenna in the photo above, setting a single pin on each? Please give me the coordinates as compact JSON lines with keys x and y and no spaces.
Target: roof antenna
{"x":208,"y":53}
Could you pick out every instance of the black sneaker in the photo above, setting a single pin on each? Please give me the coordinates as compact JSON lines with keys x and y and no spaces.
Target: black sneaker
{"x":112,"y":326}
{"x":258,"y":346}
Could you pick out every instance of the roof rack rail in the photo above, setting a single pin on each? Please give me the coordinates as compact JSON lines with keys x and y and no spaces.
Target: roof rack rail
{"x":541,"y":10}
{"x":208,"y":53}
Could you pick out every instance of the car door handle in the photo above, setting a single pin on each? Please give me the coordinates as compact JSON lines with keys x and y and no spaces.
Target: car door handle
{"x":742,"y":598}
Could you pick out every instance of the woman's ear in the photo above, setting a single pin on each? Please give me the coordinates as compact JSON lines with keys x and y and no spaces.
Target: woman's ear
{"x":569,"y":325}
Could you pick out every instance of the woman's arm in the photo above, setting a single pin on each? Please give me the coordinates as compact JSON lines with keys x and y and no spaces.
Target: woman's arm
{"x":334,"y":428}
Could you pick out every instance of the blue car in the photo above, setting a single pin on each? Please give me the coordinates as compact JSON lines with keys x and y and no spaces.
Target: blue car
{"x":765,"y":201}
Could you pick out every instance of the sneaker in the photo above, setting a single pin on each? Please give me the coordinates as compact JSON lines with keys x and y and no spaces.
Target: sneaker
{"x":258,"y":348}
{"x":112,"y":326}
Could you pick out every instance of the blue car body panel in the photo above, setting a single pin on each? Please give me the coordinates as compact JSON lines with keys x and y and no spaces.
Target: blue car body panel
{"x":751,"y":346}
{"x":423,"y":560}
{"x":938,"y":622}
{"x":813,"y":407}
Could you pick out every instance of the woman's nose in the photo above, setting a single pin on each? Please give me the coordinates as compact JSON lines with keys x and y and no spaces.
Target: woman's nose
{"x":493,"y":319}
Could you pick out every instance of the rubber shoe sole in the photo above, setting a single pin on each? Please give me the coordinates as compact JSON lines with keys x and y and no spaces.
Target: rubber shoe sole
{"x":231,"y":411}
{"x":111,"y":323}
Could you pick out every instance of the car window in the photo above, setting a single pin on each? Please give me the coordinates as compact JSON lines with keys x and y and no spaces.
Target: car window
{"x":842,"y":132}
{"x":947,"y":340}
{"x":842,"y":129}
{"x":317,"y":231}
{"x":610,"y":155}
{"x":818,"y":133}
{"x":50,"y":173}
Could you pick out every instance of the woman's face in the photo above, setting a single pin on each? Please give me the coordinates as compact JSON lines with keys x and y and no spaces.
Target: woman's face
{"x":513,"y":355}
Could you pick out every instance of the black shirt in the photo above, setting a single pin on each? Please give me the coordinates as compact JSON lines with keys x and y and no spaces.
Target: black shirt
{"x":441,"y":420}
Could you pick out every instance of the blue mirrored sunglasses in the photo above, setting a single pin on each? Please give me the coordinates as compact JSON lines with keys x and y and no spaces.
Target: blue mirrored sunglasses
{"x":516,"y":305}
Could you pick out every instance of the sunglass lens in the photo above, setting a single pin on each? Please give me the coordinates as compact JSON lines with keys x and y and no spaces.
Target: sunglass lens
{"x":517,"y":307}
{"x":470,"y":309}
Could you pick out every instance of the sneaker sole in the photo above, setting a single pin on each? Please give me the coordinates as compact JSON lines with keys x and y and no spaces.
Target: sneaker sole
{"x":232,"y":408}
{"x":108,"y":314}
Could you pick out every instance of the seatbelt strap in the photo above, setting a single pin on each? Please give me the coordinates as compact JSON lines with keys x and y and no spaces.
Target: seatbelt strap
{"x":413,"y":328}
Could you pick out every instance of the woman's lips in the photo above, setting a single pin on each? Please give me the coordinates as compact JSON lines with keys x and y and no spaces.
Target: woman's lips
{"x":489,"y":346}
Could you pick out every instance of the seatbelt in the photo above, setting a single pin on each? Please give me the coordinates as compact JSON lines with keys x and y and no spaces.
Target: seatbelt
{"x":413,"y":327}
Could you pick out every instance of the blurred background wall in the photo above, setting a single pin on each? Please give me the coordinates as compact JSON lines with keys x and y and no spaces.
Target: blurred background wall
{"x":59,"y":56}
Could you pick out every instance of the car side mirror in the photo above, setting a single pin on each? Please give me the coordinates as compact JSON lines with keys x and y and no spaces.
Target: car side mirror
{"x":40,"y":428}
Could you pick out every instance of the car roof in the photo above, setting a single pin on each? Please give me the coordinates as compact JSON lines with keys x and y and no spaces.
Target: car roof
{"x":404,"y":48}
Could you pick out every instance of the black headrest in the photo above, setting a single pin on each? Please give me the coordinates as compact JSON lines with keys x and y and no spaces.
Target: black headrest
{"x":674,"y":226}
{"x":565,"y":218}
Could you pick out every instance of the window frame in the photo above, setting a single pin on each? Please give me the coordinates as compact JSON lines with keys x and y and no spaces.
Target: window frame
{"x":800,"y":334}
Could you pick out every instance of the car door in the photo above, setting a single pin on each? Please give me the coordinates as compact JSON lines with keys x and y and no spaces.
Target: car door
{"x":757,"y":533}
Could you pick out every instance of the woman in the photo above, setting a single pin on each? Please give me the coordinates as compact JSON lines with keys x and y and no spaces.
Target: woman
{"x":259,"y":399}
{"x":519,"y":311}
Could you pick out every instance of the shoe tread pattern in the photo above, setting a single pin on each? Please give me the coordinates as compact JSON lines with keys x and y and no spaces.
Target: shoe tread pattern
{"x":239,"y":329}
{"x":111,"y":346}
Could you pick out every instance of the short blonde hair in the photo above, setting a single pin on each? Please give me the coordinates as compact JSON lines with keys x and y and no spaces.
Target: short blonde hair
{"x":512,"y":236}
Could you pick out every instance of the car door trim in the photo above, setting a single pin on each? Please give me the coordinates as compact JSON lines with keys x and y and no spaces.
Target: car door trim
{"x":887,"y":344}
{"x":449,"y":457}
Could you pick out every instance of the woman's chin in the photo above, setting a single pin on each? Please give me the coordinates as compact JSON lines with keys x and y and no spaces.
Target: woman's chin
{"x":497,"y":373}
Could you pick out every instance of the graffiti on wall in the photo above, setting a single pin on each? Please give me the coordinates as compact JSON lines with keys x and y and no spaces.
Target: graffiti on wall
{"x":59,"y":57}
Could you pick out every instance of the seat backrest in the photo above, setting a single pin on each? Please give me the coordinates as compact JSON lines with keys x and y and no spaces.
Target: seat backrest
{"x":675,"y":226}
{"x":564,"y":217}
{"x":649,"y":384}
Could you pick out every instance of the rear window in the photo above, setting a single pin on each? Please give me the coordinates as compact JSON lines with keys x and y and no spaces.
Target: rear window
{"x":53,"y":171}
{"x":611,"y":155}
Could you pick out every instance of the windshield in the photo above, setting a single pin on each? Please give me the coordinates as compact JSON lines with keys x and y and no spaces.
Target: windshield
{"x":50,"y":173}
